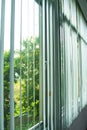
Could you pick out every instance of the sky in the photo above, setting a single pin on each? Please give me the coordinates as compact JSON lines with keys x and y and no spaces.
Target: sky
{"x":30,"y":20}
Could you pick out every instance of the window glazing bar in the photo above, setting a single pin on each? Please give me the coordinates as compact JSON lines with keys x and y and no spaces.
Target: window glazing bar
{"x":28,"y":121}
{"x":44,"y":64}
{"x":38,"y":126}
{"x":12,"y":65}
{"x":40,"y":65}
{"x":56,"y":64}
{"x":65,"y":19}
{"x":51,"y":63}
{"x":2,"y":64}
{"x":48,"y":66}
{"x":34,"y":63}
{"x":21,"y":66}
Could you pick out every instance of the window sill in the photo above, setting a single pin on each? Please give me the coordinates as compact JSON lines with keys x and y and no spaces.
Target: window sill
{"x":38,"y":126}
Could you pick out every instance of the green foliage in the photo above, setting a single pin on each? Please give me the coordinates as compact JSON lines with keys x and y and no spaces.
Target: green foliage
{"x":6,"y":87}
{"x":26,"y":70}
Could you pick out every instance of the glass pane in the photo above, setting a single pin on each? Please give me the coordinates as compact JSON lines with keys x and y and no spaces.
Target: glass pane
{"x":84,"y":73}
{"x":63,"y":86}
{"x":26,"y":65}
{"x":68,"y":53}
{"x":66,"y":8}
{"x":73,"y":12}
{"x":7,"y":66}
{"x":75,"y":75}
{"x":70,"y":91}
{"x":73,"y":62}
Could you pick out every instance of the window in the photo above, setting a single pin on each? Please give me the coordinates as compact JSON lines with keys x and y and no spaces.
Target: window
{"x":21,"y":61}
{"x":42,"y":64}
{"x":73,"y":47}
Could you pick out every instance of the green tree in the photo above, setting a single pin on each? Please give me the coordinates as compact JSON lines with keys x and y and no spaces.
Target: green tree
{"x":29,"y":65}
{"x":6,"y":88}
{"x":29,"y":76}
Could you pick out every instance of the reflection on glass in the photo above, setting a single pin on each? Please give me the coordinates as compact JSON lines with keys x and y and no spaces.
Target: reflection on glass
{"x":73,"y":62}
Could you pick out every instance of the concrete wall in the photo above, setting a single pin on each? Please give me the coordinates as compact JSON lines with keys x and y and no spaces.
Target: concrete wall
{"x":80,"y":123}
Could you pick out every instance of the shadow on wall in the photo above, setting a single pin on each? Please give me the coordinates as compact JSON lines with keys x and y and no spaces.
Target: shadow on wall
{"x":80,"y":123}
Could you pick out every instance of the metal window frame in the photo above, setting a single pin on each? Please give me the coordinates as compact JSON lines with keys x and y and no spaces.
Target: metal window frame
{"x":39,"y":1}
{"x":12,"y":65}
{"x":52,"y":64}
{"x":50,"y":61}
{"x":2,"y":20}
{"x":44,"y":65}
{"x":56,"y":62}
{"x":83,"y":7}
{"x":38,"y":126}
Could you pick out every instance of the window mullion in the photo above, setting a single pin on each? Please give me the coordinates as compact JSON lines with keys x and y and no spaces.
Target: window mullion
{"x":28,"y":81}
{"x":34,"y":63}
{"x":21,"y":66}
{"x":51,"y":62}
{"x":2,"y":65}
{"x":12,"y":66}
{"x":44,"y":63}
{"x":48,"y":66}
{"x":40,"y":66}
